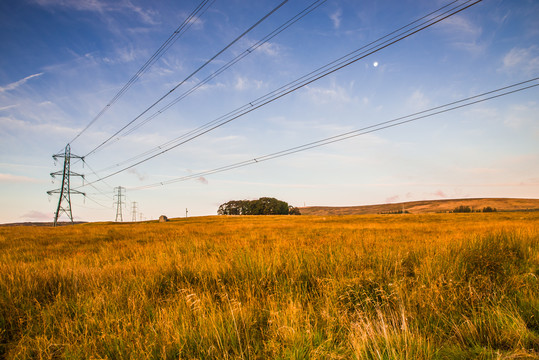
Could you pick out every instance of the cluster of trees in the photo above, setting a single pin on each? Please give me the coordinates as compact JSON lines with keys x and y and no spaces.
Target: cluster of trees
{"x":462,"y":209}
{"x":262,"y":206}
{"x":392,"y":212}
{"x":467,"y":209}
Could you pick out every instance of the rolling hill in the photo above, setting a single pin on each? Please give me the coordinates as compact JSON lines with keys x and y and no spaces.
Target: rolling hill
{"x":426,"y":206}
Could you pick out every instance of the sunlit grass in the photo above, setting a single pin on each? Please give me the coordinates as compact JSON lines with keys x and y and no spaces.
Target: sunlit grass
{"x":445,"y":286}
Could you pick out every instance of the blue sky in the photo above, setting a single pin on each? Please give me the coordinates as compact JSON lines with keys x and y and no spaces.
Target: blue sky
{"x":63,"y":60}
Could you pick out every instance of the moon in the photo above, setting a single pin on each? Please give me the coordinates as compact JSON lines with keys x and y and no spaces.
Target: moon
{"x":375,"y":64}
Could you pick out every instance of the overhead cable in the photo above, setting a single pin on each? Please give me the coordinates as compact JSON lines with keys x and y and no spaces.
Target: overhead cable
{"x":285,"y":87}
{"x":98,"y":203}
{"x":223,"y":68}
{"x":188,"y":77}
{"x":93,"y":171}
{"x":185,"y":25}
{"x":303,"y":81}
{"x":486,"y":96}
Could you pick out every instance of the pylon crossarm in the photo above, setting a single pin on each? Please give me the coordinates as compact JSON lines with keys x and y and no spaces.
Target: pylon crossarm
{"x":56,"y":156}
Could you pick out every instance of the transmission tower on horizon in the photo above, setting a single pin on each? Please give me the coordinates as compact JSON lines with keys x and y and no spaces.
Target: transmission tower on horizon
{"x":134,"y":212}
{"x":119,"y":198}
{"x":65,"y":191}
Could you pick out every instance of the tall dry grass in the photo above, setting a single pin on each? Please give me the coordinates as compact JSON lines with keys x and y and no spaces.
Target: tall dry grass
{"x":362,"y":287}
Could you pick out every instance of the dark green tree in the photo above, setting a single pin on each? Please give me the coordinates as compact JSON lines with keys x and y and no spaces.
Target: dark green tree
{"x":293,"y":210}
{"x":262,"y":206}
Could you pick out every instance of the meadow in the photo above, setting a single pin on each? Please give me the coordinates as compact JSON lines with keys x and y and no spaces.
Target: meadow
{"x":438,"y":286}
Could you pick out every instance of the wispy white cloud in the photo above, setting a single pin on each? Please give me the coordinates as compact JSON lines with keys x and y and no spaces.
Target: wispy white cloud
{"x":35,"y":215}
{"x":139,"y":175}
{"x":440,"y":193}
{"x":243,"y":83}
{"x":524,"y":60}
{"x":418,"y":100}
{"x":16,"y":84}
{"x":461,"y":26}
{"x":89,"y":5}
{"x":10,"y":123}
{"x":148,"y":16}
{"x":520,"y":116}
{"x":472,"y":47}
{"x":269,"y":49}
{"x":196,"y":22}
{"x":336,"y":18}
{"x":166,"y":67}
{"x":280,"y":184}
{"x":122,"y":55}
{"x":76,"y":64}
{"x":10,"y":178}
{"x":464,"y":34}
{"x":209,"y":87}
{"x":119,"y":55}
{"x":331,"y":94}
{"x":225,"y":139}
{"x":101,"y":7}
{"x":24,"y":166}
{"x":4,"y":108}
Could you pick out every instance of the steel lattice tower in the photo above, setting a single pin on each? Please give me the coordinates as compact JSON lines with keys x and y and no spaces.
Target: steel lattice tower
{"x":64,"y":202}
{"x":134,"y":212}
{"x":119,"y":198}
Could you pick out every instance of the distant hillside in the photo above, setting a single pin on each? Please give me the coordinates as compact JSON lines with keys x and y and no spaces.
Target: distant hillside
{"x":426,"y":206}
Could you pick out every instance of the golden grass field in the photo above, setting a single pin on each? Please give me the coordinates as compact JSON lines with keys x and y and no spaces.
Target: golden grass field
{"x":437,"y":286}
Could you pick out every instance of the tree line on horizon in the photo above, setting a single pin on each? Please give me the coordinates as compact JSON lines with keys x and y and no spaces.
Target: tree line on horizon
{"x":467,"y":209}
{"x":262,"y":206}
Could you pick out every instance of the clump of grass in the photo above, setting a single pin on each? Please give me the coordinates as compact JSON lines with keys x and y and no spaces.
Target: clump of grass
{"x":383,"y":335}
{"x":495,"y":327}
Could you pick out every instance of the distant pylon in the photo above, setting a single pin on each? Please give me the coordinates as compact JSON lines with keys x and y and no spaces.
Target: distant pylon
{"x":64,"y":202}
{"x":118,"y":201}
{"x":134,"y":212}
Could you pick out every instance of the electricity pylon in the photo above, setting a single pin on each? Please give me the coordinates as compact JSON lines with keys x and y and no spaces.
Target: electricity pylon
{"x":134,"y":212}
{"x":118,"y":201}
{"x":64,"y":202}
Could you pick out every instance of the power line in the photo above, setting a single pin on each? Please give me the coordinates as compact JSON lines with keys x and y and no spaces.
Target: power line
{"x":104,"y":182}
{"x":94,"y":201}
{"x":186,"y":24}
{"x":363,"y":131}
{"x":189,"y":76}
{"x":249,"y":105}
{"x":223,"y":68}
{"x":303,"y":81}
